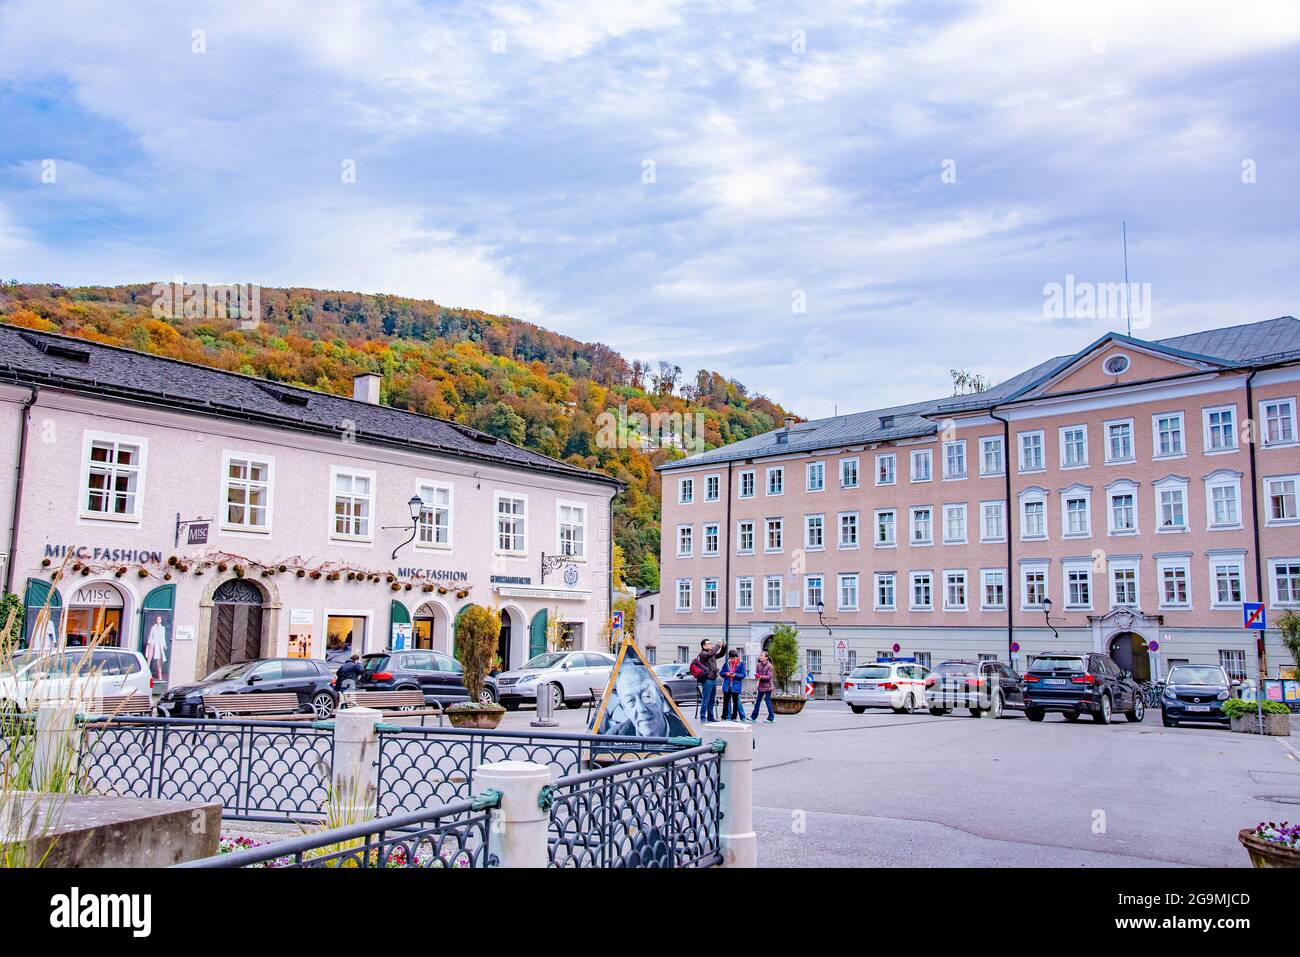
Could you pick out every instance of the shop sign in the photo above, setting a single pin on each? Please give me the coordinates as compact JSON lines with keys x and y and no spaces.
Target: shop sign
{"x":102,"y":553}
{"x":105,"y":595}
{"x":434,"y":574}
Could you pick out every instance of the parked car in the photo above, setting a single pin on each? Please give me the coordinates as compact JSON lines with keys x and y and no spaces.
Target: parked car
{"x":440,"y":677}
{"x":1195,"y":693}
{"x":982,"y":687}
{"x":1077,"y":684}
{"x":310,"y":679}
{"x":676,"y":677}
{"x":83,"y":674}
{"x":886,"y":684}
{"x":575,"y":677}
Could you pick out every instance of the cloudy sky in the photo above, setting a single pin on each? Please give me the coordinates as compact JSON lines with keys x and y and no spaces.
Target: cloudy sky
{"x":835,"y":203}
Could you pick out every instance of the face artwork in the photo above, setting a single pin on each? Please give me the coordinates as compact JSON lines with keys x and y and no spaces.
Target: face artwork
{"x":636,"y":704}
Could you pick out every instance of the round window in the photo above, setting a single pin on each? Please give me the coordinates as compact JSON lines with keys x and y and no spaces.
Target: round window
{"x":1116,"y":365}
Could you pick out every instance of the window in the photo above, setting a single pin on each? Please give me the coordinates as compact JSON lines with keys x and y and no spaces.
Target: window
{"x":885,"y":591}
{"x":848,"y":529}
{"x":1286,"y":581}
{"x":1033,"y":522}
{"x":1078,"y":586}
{"x":683,"y":653}
{"x":353,"y":499}
{"x":1122,"y":513}
{"x":848,"y":593}
{"x":709,"y":592}
{"x":1222,"y":496}
{"x":1221,"y":429}
{"x":814,"y":661}
{"x":885,"y":520}
{"x":991,"y":455}
{"x":922,"y":595}
{"x":812,"y":592}
{"x":683,"y":594}
{"x":885,"y":469}
{"x":744,"y":594}
{"x":685,"y":491}
{"x":1233,"y":661}
{"x":922,"y":526}
{"x":1075,"y":507}
{"x":1171,"y":499}
{"x":711,"y":538}
{"x":954,"y":524}
{"x":815,"y":476}
{"x":434,"y":529}
{"x":248,"y":494}
{"x":1226,"y":582}
{"x":994,"y":595}
{"x":1174,"y":591}
{"x":812,"y":531}
{"x":776,"y":480}
{"x":1282,"y":502}
{"x":1116,"y":364}
{"x":922,"y":465}
{"x":685,"y":541}
{"x":772,"y":596}
{"x":573,"y":531}
{"x":1279,"y":421}
{"x":1123,"y":584}
{"x":745,"y":537}
{"x":114,"y":475}
{"x":746,"y":488}
{"x":848,"y":473}
{"x":1168,"y":434}
{"x":954,"y":460}
{"x":954,"y":590}
{"x":923,"y":659}
{"x":712,"y":488}
{"x":1119,"y":441}
{"x":993,"y":521}
{"x":1031,"y":452}
{"x":1074,"y":446}
{"x":1033,"y":586}
{"x":775,"y":535}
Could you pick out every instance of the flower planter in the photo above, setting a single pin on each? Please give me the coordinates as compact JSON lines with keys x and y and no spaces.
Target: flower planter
{"x":788,"y":704}
{"x":478,"y":718}
{"x":1274,"y":724}
{"x":1267,"y":853}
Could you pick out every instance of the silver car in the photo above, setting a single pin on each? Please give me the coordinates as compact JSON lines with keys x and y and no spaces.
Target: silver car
{"x":574,"y":676}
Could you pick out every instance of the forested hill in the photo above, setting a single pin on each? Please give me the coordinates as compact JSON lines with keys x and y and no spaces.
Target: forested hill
{"x":521,"y":382}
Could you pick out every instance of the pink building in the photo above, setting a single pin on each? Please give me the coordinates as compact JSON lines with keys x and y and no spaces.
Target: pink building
{"x":1126,"y":498}
{"x":229,"y":517}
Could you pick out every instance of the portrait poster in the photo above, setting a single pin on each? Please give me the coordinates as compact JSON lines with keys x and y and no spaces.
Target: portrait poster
{"x":156,"y":644}
{"x":636,"y":704}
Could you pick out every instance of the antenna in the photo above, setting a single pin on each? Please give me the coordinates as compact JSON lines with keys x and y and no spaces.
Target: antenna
{"x":1128,"y":312}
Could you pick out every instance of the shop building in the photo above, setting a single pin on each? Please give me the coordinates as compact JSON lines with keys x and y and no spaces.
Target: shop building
{"x":205,"y":517}
{"x":1125,"y":499}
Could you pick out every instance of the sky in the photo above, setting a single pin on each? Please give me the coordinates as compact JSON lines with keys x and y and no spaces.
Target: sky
{"x":834,"y":203}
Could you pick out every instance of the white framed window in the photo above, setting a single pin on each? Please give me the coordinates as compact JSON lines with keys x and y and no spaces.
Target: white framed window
{"x":993,"y":521}
{"x":1123,"y":584}
{"x":1278,"y":420}
{"x":1280,"y":500}
{"x":954,"y":524}
{"x":815,"y":476}
{"x":886,"y":519}
{"x":1119,"y":441}
{"x":112,"y":476}
{"x":745,"y":487}
{"x":1284,"y":576}
{"x":848,"y":592}
{"x":1223,"y":500}
{"x":772,"y":593}
{"x":745,"y":537}
{"x":685,"y":491}
{"x":812,"y":592}
{"x":885,"y":595}
{"x":814,"y":529}
{"x":246,"y":505}
{"x":992,"y":457}
{"x":1225,"y":580}
{"x":1031,"y":452}
{"x":954,"y":459}
{"x":885,"y":464}
{"x":1171,"y":505}
{"x":712,"y":538}
{"x":922,"y":526}
{"x":1175,"y":582}
{"x":849,"y":473}
{"x":1033,"y":586}
{"x":572,"y":521}
{"x":709,"y":594}
{"x":1074,"y":447}
{"x":954,"y":589}
{"x":712,"y":488}
{"x":1076,"y":512}
{"x":848,"y":530}
{"x":683,"y":594}
{"x":354,"y":502}
{"x":775,"y":535}
{"x":1220,"y":428}
{"x":922,"y":465}
{"x":1167,"y":435}
{"x":1033,"y":513}
{"x":1233,"y":661}
{"x":685,"y":541}
{"x":434,"y":524}
{"x":814,"y":660}
{"x":922,"y":591}
{"x":1121,"y":509}
{"x":776,"y":480}
{"x":993,"y":589}
{"x":1078,"y":586}
{"x":744,"y":593}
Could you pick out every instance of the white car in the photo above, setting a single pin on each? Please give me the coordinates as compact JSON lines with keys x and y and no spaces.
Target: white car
{"x":575,"y":677}
{"x":84,"y":674}
{"x":886,"y":684}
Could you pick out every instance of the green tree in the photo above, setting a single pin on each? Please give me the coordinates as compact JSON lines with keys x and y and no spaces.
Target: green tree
{"x":11,"y":620}
{"x":649,"y":572}
{"x":477,"y":632}
{"x":507,"y":424}
{"x":783,"y":649}
{"x":1289,"y":624}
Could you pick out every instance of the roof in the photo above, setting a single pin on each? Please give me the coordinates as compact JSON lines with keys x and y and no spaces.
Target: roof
{"x":51,"y":360}
{"x":1230,"y":347}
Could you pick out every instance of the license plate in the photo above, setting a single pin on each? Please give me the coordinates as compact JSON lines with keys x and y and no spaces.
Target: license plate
{"x":1198,"y":707}
{"x":1055,"y":682}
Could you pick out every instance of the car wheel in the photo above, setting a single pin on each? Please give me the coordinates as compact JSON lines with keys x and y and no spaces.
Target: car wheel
{"x":1071,"y":716}
{"x":510,"y":705}
{"x":998,"y":707}
{"x":1167,"y":721}
{"x":322,"y":704}
{"x":857,"y":708}
{"x":487,"y":697}
{"x":907,"y":706}
{"x":940,"y":712}
{"x":557,"y":697}
{"x":1034,"y":714}
{"x":1102,"y":714}
{"x":1139,"y":709}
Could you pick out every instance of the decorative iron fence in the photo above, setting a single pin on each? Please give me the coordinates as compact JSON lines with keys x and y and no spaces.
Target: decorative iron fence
{"x":663,"y":811}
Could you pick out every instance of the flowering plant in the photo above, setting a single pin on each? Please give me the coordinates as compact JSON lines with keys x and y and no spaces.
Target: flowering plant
{"x":1285,"y":834}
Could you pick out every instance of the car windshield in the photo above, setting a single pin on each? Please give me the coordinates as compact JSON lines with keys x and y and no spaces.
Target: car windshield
{"x":1051,"y":663}
{"x":549,"y":660}
{"x":376,"y":663}
{"x":957,"y":668}
{"x":231,"y":671}
{"x":871,"y":671}
{"x":1192,"y":675}
{"x":667,"y":671}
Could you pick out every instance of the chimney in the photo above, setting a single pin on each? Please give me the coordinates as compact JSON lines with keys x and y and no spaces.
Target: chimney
{"x":789,"y":421}
{"x":365,"y":387}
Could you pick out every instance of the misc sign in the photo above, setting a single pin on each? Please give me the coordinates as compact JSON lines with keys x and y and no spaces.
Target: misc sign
{"x":98,"y":553}
{"x":434,"y":574}
{"x":197,"y":533}
{"x":98,"y":595}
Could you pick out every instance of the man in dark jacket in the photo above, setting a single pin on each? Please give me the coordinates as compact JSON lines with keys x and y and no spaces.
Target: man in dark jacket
{"x":348,"y":673}
{"x":708,"y":678}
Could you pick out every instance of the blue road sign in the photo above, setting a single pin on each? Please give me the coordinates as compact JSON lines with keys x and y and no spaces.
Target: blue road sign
{"x":1254,"y":615}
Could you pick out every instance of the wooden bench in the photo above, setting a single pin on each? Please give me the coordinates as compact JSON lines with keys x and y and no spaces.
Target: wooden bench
{"x":280,"y":705}
{"x":125,"y":704}
{"x":406,"y":703}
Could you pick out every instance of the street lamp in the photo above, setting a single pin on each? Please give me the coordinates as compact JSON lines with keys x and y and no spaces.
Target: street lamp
{"x":1047,"y":616}
{"x":821,"y":608}
{"x":416,"y":505}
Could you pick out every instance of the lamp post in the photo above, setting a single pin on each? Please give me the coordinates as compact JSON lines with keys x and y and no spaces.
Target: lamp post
{"x":1047,"y":616}
{"x":821,"y":608}
{"x":416,"y":505}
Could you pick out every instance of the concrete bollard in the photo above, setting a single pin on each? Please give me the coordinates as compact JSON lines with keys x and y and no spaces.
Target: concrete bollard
{"x":518,"y":830}
{"x":54,"y":755}
{"x":737,"y":839}
{"x":356,"y":748}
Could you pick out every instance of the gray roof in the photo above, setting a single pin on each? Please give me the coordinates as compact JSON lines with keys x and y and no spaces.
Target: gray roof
{"x":1233,"y":346}
{"x":78,"y":365}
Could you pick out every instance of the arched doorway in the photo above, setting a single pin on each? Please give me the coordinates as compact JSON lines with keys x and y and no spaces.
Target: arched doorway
{"x":429,"y":629}
{"x":1128,"y":649}
{"x":503,"y":642}
{"x":236,"y":633}
{"x":95,"y":613}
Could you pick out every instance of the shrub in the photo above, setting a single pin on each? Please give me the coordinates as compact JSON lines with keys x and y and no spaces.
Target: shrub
{"x":1289,"y":624}
{"x":477,"y":632}
{"x":1240,"y":707}
{"x":783,"y":649}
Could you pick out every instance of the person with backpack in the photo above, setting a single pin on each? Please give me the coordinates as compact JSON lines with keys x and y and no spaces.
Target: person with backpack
{"x":733,"y":680}
{"x":704,"y":669}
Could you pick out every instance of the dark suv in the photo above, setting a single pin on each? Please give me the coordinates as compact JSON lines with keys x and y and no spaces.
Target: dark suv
{"x":311,"y":680}
{"x":440,"y":677}
{"x":1077,"y":683}
{"x":1195,"y":693}
{"x":983,"y":687}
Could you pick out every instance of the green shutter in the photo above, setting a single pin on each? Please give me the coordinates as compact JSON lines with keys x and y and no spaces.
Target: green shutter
{"x":537,"y":635}
{"x":36,"y":596}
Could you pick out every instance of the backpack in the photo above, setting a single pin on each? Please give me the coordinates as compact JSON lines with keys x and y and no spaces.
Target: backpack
{"x":698,"y":671}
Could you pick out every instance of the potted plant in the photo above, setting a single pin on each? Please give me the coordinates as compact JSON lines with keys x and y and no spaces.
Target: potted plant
{"x":1272,"y":845}
{"x":477,"y":632}
{"x":1243,"y":715}
{"x":783,"y":649}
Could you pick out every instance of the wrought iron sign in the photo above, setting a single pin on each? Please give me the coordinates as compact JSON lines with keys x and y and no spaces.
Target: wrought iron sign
{"x":551,"y":562}
{"x":196,"y":530}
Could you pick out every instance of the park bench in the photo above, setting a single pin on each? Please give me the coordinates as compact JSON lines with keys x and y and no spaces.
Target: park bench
{"x":119,"y":705}
{"x":409,"y":704}
{"x":279,"y":705}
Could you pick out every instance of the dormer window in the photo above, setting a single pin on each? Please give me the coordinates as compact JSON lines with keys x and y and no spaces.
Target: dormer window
{"x":886,"y":421}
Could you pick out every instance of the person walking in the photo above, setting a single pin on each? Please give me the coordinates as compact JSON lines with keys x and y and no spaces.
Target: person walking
{"x":348,"y":674}
{"x":733,"y":679}
{"x":763,"y":672}
{"x":705,"y":670}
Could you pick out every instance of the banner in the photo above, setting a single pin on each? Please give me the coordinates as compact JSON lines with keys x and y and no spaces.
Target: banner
{"x":636,"y":704}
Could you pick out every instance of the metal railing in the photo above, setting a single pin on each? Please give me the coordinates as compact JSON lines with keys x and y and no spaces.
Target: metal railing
{"x":664,"y":811}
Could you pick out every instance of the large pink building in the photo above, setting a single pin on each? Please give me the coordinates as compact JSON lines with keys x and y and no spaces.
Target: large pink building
{"x":1125,"y":498}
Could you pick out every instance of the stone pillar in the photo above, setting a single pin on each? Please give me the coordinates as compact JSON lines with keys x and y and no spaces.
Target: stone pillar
{"x":54,"y":757}
{"x":518,"y":832}
{"x":737,"y":839}
{"x":353,"y":782}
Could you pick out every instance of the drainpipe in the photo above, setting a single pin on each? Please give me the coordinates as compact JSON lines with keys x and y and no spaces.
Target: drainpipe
{"x":1006,"y":483}
{"x":726,"y":568}
{"x":1254,"y":516}
{"x":19,"y":473}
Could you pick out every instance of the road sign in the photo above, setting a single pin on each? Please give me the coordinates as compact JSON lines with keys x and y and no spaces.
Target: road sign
{"x":1254,"y":615}
{"x":841,"y":650}
{"x":1015,"y":646}
{"x":897,"y":647}
{"x":808,"y":685}
{"x":1153,"y":645}
{"x":618,"y":619}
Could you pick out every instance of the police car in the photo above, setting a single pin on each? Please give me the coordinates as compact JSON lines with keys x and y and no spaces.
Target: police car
{"x":896,"y":683}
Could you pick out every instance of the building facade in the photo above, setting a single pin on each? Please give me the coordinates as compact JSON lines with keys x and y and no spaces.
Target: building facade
{"x":1126,"y":499}
{"x":204,"y":517}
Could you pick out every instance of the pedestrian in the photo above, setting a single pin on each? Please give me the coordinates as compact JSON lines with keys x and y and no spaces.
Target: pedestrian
{"x":348,"y":673}
{"x":704,"y":669}
{"x":763,"y":672}
{"x":733,"y":679}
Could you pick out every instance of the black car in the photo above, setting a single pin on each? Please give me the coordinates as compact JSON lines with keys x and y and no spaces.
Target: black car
{"x":440,"y":677}
{"x":979,"y":686}
{"x":1076,"y":684}
{"x":1195,"y":693}
{"x":311,"y":680}
{"x":676,"y":677}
